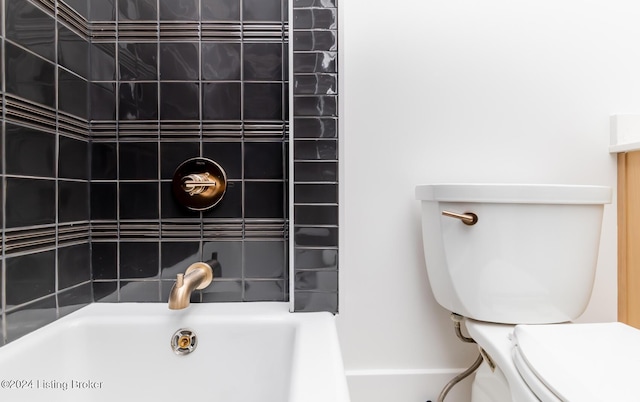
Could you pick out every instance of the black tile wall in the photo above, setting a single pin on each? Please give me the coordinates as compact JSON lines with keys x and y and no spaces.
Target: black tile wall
{"x":315,"y":154}
{"x":45,"y":249}
{"x":96,"y":117}
{"x":188,"y":86}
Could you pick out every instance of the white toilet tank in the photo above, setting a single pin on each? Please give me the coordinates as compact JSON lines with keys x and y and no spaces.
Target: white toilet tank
{"x":529,"y":259}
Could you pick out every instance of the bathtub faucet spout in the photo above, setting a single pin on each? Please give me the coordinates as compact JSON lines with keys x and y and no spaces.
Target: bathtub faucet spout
{"x":197,"y":276}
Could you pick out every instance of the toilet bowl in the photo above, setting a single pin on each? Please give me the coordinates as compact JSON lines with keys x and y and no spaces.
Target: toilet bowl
{"x":518,"y":262}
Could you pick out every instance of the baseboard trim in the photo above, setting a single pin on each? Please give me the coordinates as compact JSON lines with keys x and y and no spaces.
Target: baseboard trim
{"x":411,"y":385}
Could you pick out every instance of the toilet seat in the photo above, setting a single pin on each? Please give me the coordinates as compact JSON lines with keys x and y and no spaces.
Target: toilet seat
{"x":539,"y":389}
{"x":579,"y":362}
{"x":564,"y":362}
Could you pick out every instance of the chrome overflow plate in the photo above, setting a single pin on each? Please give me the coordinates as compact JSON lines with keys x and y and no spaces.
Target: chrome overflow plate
{"x":184,"y":341}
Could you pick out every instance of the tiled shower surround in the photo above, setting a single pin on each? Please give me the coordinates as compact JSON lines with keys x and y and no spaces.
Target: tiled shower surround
{"x":103,"y":99}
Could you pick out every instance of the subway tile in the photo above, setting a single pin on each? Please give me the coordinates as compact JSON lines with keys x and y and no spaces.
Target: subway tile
{"x":30,"y":27}
{"x":316,"y":171}
{"x":29,"y":277}
{"x":72,"y":94}
{"x":315,"y":150}
{"x":30,"y":317}
{"x":221,"y":61}
{"x":104,"y":165}
{"x":315,"y":18}
{"x":308,"y":41}
{"x":265,"y":259}
{"x":316,"y":193}
{"x":316,"y":301}
{"x":102,"y":10}
{"x":264,"y":200}
{"x":221,"y":101}
{"x":74,"y":299}
{"x":315,"y":62}
{"x":316,"y":258}
{"x":80,"y":6}
{"x":229,"y":256}
{"x":176,"y":257}
{"x":231,"y":204}
{"x":316,"y":215}
{"x":104,"y":201}
{"x":179,"y":101}
{"x":169,"y":206}
{"x":315,"y":127}
{"x":139,"y":200}
{"x":179,"y":10}
{"x":73,"y":201}
{"x":263,"y":160}
{"x":139,"y":260}
{"x":263,"y":101}
{"x":73,"y":51}
{"x":29,"y":76}
{"x":315,"y":84}
{"x":30,"y":202}
{"x":179,"y":60}
{"x":137,"y":10}
{"x":262,"y":61}
{"x":315,"y":237}
{"x":73,"y":162}
{"x":315,"y":105}
{"x":73,"y":264}
{"x":261,"y":10}
{"x":138,"y":101}
{"x":103,"y":61}
{"x":105,"y":292}
{"x":227,"y":154}
{"x":103,"y":101}
{"x":264,"y":290}
{"x":29,"y":152}
{"x":324,"y":281}
{"x":104,"y":260}
{"x":223,"y":291}
{"x":138,"y":160}
{"x":172,"y":154}
{"x":220,"y":10}
{"x":138,"y":61}
{"x":315,"y":3}
{"x":139,"y":291}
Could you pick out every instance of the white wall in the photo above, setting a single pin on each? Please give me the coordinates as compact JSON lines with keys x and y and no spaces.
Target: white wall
{"x":463,"y":91}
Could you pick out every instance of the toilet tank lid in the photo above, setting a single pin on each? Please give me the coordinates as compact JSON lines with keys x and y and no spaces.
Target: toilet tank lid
{"x":515,"y":193}
{"x":583,"y":362}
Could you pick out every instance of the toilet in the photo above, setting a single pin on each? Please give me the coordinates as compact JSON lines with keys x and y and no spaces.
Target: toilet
{"x":518,"y":263}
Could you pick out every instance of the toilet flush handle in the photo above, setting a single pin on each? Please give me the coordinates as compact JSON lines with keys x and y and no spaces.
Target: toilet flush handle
{"x":468,"y":218}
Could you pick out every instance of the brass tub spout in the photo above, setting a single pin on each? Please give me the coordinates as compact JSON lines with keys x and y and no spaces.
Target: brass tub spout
{"x":198,"y":276}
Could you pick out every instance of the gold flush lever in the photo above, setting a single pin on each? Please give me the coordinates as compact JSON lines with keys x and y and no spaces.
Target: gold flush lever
{"x":468,"y":218}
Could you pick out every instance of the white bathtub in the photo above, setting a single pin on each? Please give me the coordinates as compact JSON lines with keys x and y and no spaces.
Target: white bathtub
{"x":246,"y":352}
